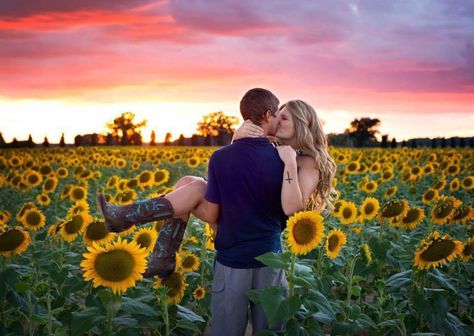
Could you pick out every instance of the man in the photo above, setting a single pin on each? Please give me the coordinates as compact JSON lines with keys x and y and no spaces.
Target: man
{"x":245,"y":180}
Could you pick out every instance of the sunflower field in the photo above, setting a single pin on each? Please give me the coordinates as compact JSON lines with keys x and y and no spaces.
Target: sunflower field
{"x":394,"y":258}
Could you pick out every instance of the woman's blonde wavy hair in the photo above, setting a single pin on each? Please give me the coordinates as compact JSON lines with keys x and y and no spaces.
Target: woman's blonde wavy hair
{"x":312,"y":141}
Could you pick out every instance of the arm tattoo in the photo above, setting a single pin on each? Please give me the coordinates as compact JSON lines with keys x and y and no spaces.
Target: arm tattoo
{"x":289,"y":179}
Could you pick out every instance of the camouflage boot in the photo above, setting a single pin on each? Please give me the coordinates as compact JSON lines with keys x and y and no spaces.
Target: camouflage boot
{"x":119,"y":218}
{"x":162,"y":261}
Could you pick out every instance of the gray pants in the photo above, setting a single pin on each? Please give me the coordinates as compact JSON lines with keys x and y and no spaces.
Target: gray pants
{"x":229,"y":302}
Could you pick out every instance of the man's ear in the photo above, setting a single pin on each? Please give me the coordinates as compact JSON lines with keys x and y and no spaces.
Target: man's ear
{"x":267,"y":115}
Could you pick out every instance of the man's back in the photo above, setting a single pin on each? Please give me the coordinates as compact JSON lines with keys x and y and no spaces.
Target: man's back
{"x":245,"y":178}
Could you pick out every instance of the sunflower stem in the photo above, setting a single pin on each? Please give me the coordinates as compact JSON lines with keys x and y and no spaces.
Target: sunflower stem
{"x":349,"y":279}
{"x":164,"y":302}
{"x":292,"y":274}
{"x":50,"y":321}
{"x":320,"y":262}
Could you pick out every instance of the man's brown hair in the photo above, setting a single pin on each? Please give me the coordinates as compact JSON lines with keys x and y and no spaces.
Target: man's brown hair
{"x":256,"y":102}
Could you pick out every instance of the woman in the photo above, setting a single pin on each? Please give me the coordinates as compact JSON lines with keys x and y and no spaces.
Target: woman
{"x":304,"y":152}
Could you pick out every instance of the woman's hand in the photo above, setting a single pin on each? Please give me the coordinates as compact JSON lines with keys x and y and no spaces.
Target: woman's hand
{"x":287,"y":154}
{"x":247,"y":130}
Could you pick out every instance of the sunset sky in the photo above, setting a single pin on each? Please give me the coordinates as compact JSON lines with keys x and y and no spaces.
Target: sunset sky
{"x":72,"y":66}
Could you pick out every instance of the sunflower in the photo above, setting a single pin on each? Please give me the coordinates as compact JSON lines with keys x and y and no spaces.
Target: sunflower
{"x":193,"y":162}
{"x":337,"y":207}
{"x":209,"y":236}
{"x":32,"y":178}
{"x":369,"y":208}
{"x":189,"y":262}
{"x":304,"y":232}
{"x":440,"y":184}
{"x":443,"y":209}
{"x":116,"y":265}
{"x":462,"y":214}
{"x":128,"y":231}
{"x":347,"y":213}
{"x":65,"y":193}
{"x":199,"y":293}
{"x":161,"y":176}
{"x":430,"y":196}
{"x":454,"y":185}
{"x":387,"y":175}
{"x":412,"y":219}
{"x":126,"y":197}
{"x":370,"y":187}
{"x":366,"y":254}
{"x":176,"y":286}
{"x":132,"y":183}
{"x":75,"y":226}
{"x":353,"y":167}
{"x":78,"y":193}
{"x":145,"y":238}
{"x":390,"y":192}
{"x":120,"y":163}
{"x":43,"y":199}
{"x":453,"y":169}
{"x":334,"y":242}
{"x":428,"y":169}
{"x":5,"y":216}
{"x":45,"y":170}
{"x":50,"y":184}
{"x":435,"y":251}
{"x":145,"y":179}
{"x":112,"y":182}
{"x":14,"y":241}
{"x":375,"y":168}
{"x":33,"y":219}
{"x":468,"y":249}
{"x":96,"y":232}
{"x":393,"y":211}
{"x":78,"y":207}
{"x":62,"y":173}
{"x":467,"y":183}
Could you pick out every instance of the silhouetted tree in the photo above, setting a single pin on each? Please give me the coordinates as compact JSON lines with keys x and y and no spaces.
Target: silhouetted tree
{"x":153,"y":138}
{"x":78,"y":140}
{"x":216,"y":123}
{"x":14,"y":143}
{"x":2,"y":141}
{"x":393,"y":144}
{"x":363,"y":130}
{"x":451,"y":142}
{"x":62,"y":143}
{"x":462,"y":143}
{"x":136,"y":139}
{"x":404,"y":143}
{"x":124,"y":127}
{"x":384,"y":141}
{"x":471,"y":142}
{"x":94,"y":139}
{"x":167,"y":141}
{"x":181,"y":140}
{"x":412,"y":143}
{"x":30,"y":143}
{"x":433,"y":143}
{"x":109,"y":139}
{"x":45,"y":142}
{"x":443,"y":142}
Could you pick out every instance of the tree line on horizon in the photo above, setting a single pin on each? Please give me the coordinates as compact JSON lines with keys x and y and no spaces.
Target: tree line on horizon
{"x":216,"y":129}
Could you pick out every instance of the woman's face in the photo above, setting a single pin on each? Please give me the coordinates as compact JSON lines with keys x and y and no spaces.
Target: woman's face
{"x":286,"y":127}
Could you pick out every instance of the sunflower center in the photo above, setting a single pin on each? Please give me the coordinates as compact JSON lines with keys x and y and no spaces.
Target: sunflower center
{"x":393,"y":210}
{"x":461,"y":213}
{"x":33,"y":218}
{"x":347,"y":213}
{"x":74,"y":225}
{"x":369,"y":208}
{"x":116,"y":265}
{"x":468,"y":249}
{"x":33,"y":179}
{"x":333,"y":242}
{"x":96,"y":231}
{"x":439,"y":250}
{"x":145,"y":177}
{"x":144,"y":240}
{"x":10,"y":240}
{"x":188,"y":262}
{"x":467,"y":182}
{"x":429,"y":195}
{"x":352,"y":167}
{"x":78,"y":194}
{"x":444,"y":210}
{"x":304,"y":231}
{"x":412,"y":216}
{"x":49,"y":185}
